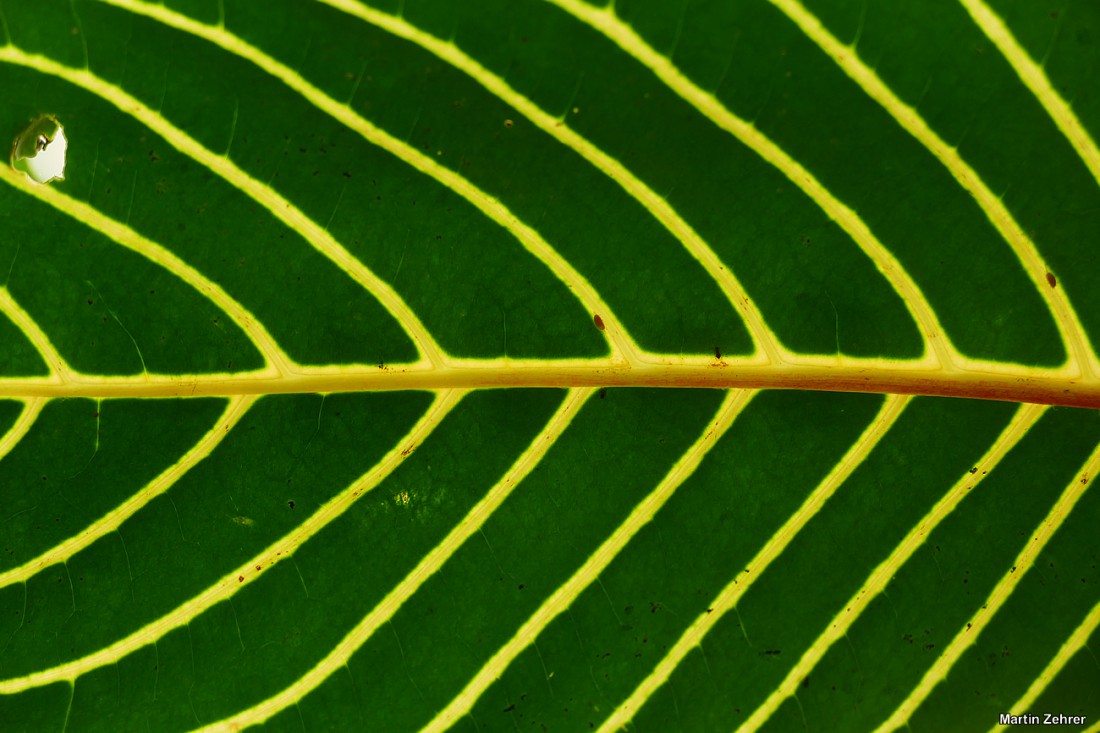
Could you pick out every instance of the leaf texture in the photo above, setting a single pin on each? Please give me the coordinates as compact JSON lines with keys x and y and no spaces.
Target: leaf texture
{"x":546,"y":365}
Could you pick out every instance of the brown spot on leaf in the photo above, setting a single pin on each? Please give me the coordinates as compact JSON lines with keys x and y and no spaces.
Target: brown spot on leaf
{"x":598,"y":321}
{"x":1051,"y":280}
{"x":240,"y":578}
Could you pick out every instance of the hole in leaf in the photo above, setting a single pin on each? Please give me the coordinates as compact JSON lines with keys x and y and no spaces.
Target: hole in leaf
{"x":39,"y":150}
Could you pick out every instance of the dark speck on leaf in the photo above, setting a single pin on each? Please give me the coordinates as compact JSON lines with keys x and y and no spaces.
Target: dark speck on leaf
{"x":974,"y":470}
{"x":290,"y":503}
{"x":603,"y":392}
{"x":1051,"y":280}
{"x":346,"y":174}
{"x":717,"y":353}
{"x":771,"y":652}
{"x":509,"y":709}
{"x":240,"y":578}
{"x":598,"y":321}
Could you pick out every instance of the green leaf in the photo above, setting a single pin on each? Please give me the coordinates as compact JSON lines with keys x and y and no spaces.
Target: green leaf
{"x":540,"y":365}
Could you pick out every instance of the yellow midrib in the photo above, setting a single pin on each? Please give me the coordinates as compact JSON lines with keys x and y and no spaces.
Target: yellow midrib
{"x":1014,"y":384}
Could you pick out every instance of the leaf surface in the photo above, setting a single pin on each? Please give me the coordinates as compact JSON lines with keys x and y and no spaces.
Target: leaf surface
{"x":541,"y":365}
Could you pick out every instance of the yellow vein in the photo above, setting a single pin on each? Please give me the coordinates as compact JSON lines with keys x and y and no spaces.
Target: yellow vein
{"x":428,"y":566}
{"x":846,"y":57}
{"x":605,"y":21}
{"x":1075,"y":643}
{"x":1094,"y":728}
{"x":1023,"y":562}
{"x":226,"y":587}
{"x":1036,"y":80}
{"x":567,"y":593}
{"x":127,"y":237}
{"x":31,"y":409}
{"x":657,"y":205}
{"x":876,"y":582}
{"x":60,"y":371}
{"x":263,"y":194}
{"x":110,"y":522}
{"x":729,"y":596}
{"x":1017,"y":384}
{"x":527,"y":236}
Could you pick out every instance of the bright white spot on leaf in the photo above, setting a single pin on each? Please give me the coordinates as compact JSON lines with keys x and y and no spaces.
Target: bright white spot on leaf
{"x":40,"y":149}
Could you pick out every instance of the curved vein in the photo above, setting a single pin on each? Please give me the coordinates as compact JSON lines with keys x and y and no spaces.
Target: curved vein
{"x":1033,"y":76}
{"x":1065,"y":318}
{"x":261,"y":193}
{"x":1023,"y":562}
{"x":604,"y":20}
{"x":562,"y":598}
{"x":60,"y":371}
{"x":529,"y":238}
{"x":727,"y":599}
{"x":114,"y":519}
{"x":1076,"y":641}
{"x":876,"y":582}
{"x":30,"y":412}
{"x":123,"y":235}
{"x":227,"y":586}
{"x":428,"y":566}
{"x":656,"y":205}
